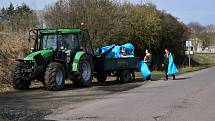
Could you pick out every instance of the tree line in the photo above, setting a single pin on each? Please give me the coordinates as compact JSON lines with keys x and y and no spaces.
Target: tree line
{"x":113,"y":22}
{"x":204,"y":34}
{"x":17,"y":19}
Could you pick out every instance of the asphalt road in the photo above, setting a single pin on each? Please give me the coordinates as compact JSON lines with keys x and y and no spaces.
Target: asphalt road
{"x":189,"y":98}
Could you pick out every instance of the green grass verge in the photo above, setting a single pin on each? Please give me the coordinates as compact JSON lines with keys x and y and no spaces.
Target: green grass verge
{"x":204,"y":58}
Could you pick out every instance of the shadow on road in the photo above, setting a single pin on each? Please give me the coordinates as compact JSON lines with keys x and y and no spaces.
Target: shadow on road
{"x":183,"y":78}
{"x":109,"y":83}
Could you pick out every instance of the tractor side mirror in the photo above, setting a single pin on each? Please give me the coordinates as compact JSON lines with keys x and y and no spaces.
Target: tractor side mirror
{"x":32,"y":49}
{"x":62,"y":48}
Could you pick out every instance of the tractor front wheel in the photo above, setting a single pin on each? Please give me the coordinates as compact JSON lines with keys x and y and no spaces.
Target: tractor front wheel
{"x":18,"y":81}
{"x":55,"y":76}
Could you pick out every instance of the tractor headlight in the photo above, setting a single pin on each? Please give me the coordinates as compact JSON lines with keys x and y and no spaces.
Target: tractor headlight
{"x":68,"y":59}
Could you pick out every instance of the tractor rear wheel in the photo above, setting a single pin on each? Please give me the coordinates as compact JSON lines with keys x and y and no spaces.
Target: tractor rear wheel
{"x":125,"y":76}
{"x":85,"y":69}
{"x":55,"y":76}
{"x":18,"y":82}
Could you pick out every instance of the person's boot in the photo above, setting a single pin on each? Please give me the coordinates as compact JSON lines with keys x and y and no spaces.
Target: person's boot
{"x":173,"y":77}
{"x":166,"y":77}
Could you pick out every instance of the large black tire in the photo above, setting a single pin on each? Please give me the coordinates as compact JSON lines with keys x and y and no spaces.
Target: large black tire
{"x":125,"y":76}
{"x":55,"y":77}
{"x":101,"y":77}
{"x":85,"y":70}
{"x":18,"y":82}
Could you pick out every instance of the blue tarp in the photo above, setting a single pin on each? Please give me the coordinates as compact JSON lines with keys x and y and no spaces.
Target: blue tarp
{"x":104,"y":49}
{"x":172,"y":69}
{"x":144,"y":69}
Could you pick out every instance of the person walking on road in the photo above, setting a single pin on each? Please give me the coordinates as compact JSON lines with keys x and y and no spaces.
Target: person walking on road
{"x":168,"y":64}
{"x":148,"y":61}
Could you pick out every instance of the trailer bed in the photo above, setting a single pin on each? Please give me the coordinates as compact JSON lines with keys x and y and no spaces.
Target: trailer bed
{"x":121,"y":63}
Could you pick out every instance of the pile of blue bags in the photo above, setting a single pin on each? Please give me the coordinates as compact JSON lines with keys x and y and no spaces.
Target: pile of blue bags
{"x":117,"y":51}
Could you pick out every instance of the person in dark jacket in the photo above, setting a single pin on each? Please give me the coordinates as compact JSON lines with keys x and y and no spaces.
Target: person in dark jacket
{"x":166,"y":63}
{"x":148,"y":61}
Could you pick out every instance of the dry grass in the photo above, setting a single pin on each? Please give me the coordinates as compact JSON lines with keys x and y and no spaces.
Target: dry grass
{"x":12,"y":46}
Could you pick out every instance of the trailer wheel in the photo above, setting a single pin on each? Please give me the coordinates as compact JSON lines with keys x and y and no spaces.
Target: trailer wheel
{"x":125,"y":76}
{"x":101,"y":77}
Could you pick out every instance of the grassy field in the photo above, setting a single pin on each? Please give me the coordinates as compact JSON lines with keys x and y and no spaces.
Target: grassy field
{"x":204,"y":58}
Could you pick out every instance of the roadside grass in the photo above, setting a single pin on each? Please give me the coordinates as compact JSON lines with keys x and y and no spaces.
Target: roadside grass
{"x":204,"y":58}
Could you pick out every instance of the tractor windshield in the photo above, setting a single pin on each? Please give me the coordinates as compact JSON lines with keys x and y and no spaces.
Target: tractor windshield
{"x":49,"y":41}
{"x":70,"y":41}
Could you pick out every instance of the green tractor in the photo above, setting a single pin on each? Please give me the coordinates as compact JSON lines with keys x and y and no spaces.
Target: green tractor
{"x":57,"y":54}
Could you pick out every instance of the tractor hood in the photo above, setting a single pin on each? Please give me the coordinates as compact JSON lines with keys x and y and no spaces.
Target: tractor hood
{"x":44,"y":53}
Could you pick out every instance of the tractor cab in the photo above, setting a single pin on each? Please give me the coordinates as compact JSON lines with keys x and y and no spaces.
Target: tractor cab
{"x":64,"y":40}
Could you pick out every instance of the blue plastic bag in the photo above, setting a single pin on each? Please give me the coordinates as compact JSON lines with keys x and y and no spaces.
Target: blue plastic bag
{"x":144,"y":69}
{"x":172,"y":69}
{"x":129,"y":48}
{"x":115,"y":53}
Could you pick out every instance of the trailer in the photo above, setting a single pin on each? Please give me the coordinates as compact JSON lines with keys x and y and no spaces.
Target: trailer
{"x":122,"y":68}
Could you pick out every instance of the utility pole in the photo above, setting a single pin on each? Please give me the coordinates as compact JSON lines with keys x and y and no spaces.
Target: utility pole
{"x":189,"y":56}
{"x":189,"y":51}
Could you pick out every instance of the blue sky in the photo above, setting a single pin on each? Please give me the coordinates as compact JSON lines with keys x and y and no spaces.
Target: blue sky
{"x":202,"y":11}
